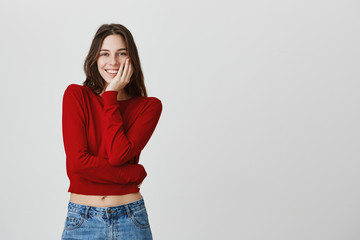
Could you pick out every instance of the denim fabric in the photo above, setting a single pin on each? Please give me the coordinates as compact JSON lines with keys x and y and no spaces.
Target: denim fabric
{"x":125,"y":222}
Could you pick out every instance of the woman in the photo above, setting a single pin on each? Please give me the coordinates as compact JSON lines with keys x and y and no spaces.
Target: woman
{"x":106,"y":123}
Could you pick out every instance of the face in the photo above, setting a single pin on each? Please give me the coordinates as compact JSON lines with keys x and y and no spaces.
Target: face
{"x":113,"y":52}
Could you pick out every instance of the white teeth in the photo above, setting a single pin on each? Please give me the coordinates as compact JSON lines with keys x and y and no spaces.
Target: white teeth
{"x":111,"y":71}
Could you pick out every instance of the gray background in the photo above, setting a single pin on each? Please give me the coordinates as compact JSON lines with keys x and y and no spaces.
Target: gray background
{"x":259,"y":135}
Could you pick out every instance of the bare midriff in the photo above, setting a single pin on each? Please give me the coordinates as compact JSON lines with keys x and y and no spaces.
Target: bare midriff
{"x":104,"y":201}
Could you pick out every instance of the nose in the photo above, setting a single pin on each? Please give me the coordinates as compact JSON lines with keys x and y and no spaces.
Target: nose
{"x":113,"y":61}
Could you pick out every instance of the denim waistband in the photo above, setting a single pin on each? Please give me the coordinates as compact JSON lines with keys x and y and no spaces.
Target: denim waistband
{"x":125,"y":209}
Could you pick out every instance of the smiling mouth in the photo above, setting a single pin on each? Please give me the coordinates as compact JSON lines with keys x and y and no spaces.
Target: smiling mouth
{"x":111,"y":71}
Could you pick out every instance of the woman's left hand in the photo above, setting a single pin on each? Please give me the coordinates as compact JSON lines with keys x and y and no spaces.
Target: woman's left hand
{"x":122,"y":77}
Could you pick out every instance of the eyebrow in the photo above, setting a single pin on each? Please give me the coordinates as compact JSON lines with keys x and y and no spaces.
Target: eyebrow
{"x":116,"y":50}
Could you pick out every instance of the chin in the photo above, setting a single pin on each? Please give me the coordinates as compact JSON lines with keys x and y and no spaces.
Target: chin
{"x":107,"y":79}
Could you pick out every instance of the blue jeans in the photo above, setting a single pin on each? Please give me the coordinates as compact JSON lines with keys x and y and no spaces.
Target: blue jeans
{"x":128,"y":221}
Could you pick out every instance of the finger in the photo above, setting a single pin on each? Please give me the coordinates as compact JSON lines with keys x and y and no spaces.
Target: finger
{"x":121,"y":68}
{"x":124,"y":75}
{"x":128,"y":76}
{"x":118,"y":73}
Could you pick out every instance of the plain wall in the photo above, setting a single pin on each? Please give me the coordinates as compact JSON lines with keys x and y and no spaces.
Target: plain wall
{"x":259,"y":134}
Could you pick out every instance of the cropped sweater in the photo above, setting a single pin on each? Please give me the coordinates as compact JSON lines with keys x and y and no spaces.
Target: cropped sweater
{"x":103,"y":139}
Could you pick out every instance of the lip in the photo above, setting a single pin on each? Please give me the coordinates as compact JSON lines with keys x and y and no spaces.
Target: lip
{"x":106,"y":70}
{"x":112,"y":75}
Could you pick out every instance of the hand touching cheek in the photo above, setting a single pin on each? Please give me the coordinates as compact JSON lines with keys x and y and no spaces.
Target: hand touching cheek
{"x":122,"y":77}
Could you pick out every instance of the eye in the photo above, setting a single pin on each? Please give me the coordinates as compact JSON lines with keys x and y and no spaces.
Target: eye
{"x":103,"y":54}
{"x":122,"y":53}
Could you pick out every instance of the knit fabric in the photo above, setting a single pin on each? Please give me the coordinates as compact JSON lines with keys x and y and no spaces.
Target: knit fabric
{"x":103,"y":139}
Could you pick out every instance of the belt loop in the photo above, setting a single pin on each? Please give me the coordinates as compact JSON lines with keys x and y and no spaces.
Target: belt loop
{"x":128,"y":210}
{"x":87,"y":212}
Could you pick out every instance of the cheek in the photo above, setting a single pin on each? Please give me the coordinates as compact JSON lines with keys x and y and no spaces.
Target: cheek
{"x":122,"y":59}
{"x":100,"y":64}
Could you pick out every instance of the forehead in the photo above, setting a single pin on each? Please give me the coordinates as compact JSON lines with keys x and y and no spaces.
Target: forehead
{"x":113,"y":42}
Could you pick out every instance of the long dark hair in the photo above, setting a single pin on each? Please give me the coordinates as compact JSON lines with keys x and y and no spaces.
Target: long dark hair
{"x":136,"y":86}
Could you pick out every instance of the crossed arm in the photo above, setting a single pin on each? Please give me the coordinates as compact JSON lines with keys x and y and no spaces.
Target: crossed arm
{"x":120,"y":146}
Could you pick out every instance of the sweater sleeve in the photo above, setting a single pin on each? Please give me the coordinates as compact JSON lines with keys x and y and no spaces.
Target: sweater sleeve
{"x":78,"y":158}
{"x":122,"y":146}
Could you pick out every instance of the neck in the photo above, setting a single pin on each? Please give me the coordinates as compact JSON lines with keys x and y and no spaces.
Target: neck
{"x":122,"y":95}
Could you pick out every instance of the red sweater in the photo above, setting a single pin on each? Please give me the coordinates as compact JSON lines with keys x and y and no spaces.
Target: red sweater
{"x":103,"y":139}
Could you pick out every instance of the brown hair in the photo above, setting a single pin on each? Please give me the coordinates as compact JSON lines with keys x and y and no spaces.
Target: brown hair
{"x":136,"y":86}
